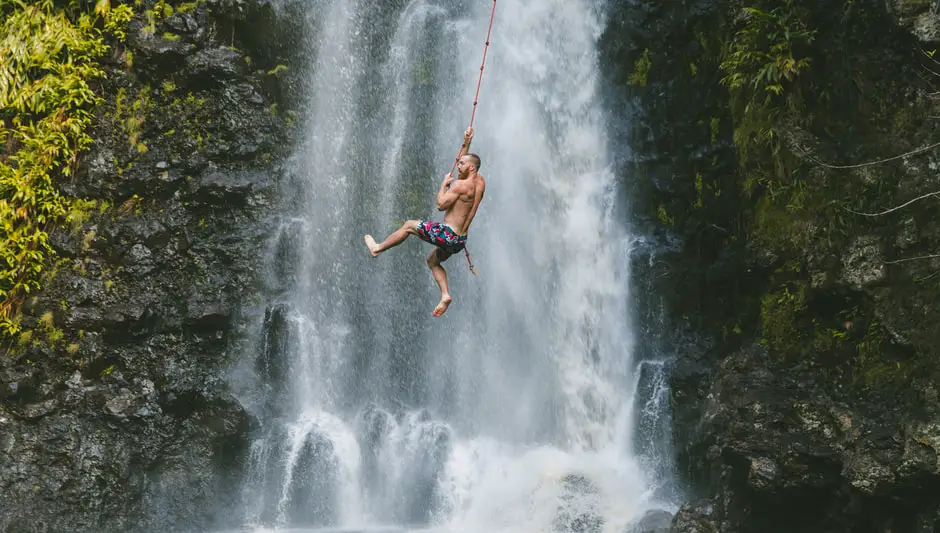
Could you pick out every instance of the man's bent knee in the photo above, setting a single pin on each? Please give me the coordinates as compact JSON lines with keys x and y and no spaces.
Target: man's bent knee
{"x":432,"y":259}
{"x":436,"y":257}
{"x":411,"y":226}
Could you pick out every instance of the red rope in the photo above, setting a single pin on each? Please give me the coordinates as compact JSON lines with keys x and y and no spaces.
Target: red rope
{"x":476,"y":98}
{"x":486,"y":47}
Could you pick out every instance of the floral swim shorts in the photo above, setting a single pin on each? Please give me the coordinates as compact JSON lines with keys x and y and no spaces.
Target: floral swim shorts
{"x":442,"y":236}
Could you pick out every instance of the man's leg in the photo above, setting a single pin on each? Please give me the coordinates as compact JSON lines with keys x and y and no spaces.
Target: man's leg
{"x":396,"y":238}
{"x":440,"y":276}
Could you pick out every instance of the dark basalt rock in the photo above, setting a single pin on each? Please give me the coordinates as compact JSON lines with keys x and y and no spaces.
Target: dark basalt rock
{"x":122,"y":420}
{"x":696,"y":517}
{"x":771,"y":441}
{"x":212,"y":68}
{"x":655,"y":521}
{"x":810,"y":413}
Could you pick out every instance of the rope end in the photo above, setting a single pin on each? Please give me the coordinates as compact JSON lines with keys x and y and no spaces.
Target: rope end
{"x":470,"y":262}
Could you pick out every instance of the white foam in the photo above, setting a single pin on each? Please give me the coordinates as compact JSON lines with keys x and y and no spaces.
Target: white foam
{"x":525,"y":389}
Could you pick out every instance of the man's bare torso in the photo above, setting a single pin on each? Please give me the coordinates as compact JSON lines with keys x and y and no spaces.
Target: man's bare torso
{"x":461,"y":213}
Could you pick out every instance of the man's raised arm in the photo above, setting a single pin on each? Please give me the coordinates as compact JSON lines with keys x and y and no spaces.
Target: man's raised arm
{"x":467,"y":139}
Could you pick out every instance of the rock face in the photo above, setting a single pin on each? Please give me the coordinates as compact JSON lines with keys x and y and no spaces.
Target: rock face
{"x":920,"y":17}
{"x":114,"y":415}
{"x":772,"y":442}
{"x":798,"y":290}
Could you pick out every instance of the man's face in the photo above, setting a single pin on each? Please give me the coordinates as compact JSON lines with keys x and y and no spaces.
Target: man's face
{"x":463,"y":165}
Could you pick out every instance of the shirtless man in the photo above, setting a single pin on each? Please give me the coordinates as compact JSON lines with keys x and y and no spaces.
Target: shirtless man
{"x":460,"y":199}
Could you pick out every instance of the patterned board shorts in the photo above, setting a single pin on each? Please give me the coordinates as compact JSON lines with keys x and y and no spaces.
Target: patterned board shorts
{"x":442,"y":236}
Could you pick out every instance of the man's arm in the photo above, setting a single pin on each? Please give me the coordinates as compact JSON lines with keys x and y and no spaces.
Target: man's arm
{"x":467,"y":139}
{"x":445,"y":197}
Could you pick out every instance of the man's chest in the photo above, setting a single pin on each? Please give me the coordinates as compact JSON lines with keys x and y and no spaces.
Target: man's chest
{"x":464,"y":190}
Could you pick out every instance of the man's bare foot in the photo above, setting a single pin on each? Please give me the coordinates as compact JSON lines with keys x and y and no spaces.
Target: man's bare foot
{"x":442,"y":307}
{"x":370,"y":242}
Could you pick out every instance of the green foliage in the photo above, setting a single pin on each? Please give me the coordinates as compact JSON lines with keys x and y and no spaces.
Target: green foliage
{"x":161,"y":10}
{"x":663,"y":216}
{"x":115,"y":19}
{"x":641,"y":70}
{"x":803,"y":78}
{"x":48,"y":58}
{"x":780,"y":312}
{"x":186,"y":7}
{"x":130,"y":116}
{"x":779,"y":226}
{"x":761,"y":65}
{"x":277,"y":70}
{"x":761,"y":56}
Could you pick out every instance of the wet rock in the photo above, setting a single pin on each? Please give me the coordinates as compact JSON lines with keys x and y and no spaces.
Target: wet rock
{"x":920,"y":17}
{"x":37,"y":410}
{"x":121,"y":404}
{"x":821,"y":432}
{"x":764,"y":454}
{"x":163,"y":52}
{"x":863,"y":263}
{"x":762,"y":473}
{"x":183,"y":23}
{"x":125,"y":423}
{"x":313,"y":497}
{"x":212,"y":68}
{"x":696,"y":517}
{"x":654,"y":521}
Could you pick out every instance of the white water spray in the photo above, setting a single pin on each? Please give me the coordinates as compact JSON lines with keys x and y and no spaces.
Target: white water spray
{"x":515,"y":411}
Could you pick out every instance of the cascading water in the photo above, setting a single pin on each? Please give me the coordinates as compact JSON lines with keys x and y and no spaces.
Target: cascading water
{"x":516,"y":411}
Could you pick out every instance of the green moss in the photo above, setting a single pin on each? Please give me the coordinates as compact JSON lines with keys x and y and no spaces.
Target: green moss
{"x":663,"y":216}
{"x":875,"y":367}
{"x":186,"y":7}
{"x":828,"y":340}
{"x":780,"y":312}
{"x":778,"y":228}
{"x":163,"y":9}
{"x":641,"y":70}
{"x":699,"y":198}
{"x":277,"y":70}
{"x":714,"y":129}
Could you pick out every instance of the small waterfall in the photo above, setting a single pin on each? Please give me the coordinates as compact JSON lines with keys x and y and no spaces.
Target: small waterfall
{"x":522,"y":409}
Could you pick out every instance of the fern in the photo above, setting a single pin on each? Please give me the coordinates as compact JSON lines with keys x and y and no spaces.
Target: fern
{"x":48,"y":59}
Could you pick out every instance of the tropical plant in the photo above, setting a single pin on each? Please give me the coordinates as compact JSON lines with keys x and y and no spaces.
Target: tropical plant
{"x":48,"y":61}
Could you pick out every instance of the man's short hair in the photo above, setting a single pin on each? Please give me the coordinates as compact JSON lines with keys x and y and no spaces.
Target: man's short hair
{"x":475,"y":159}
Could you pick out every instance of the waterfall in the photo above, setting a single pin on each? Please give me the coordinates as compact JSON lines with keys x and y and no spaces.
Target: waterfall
{"x":522,"y":408}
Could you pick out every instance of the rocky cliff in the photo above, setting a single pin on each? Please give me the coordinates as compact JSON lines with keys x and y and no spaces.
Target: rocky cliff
{"x":787,"y":163}
{"x":114,"y":414}
{"x":783,"y":163}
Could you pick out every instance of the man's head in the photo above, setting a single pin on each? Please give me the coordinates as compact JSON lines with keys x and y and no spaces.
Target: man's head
{"x":467,"y":163}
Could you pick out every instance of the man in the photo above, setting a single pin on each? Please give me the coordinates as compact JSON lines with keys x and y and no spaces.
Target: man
{"x":460,"y":199}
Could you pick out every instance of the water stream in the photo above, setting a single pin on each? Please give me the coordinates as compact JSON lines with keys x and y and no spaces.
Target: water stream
{"x":519,"y":410}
